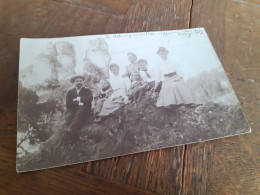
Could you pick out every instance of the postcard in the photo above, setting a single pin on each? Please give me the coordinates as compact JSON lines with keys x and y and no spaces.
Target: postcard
{"x":93,"y":97}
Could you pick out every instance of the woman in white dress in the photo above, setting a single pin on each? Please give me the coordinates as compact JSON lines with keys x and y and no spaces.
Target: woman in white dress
{"x":118,"y":98}
{"x":174,"y":90}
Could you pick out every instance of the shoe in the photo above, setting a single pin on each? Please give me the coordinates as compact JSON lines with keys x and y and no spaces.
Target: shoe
{"x":98,"y":120}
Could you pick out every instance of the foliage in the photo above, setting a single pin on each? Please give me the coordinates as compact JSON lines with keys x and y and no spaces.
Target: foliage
{"x":208,"y":86}
{"x":142,"y":128}
{"x":37,"y":122}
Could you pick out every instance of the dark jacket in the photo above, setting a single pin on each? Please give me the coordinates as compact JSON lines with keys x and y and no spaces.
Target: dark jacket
{"x":85,"y":95}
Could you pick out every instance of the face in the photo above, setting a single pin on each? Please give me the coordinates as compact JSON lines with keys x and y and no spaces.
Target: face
{"x":143,"y":66}
{"x":163,"y":55}
{"x":132,"y":58}
{"x":104,"y":83}
{"x":136,"y":76}
{"x":114,"y":70}
{"x":78,"y":82}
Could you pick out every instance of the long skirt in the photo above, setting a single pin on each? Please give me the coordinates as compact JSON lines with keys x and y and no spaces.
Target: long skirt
{"x":98,"y":107}
{"x":114,"y":102}
{"x":175,"y":93}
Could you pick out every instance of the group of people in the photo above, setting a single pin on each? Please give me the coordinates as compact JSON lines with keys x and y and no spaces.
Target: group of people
{"x":119,"y":90}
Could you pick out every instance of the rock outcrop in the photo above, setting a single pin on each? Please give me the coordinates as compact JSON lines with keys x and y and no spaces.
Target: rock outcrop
{"x":97,"y":60}
{"x":137,"y":128}
{"x":49,"y":70}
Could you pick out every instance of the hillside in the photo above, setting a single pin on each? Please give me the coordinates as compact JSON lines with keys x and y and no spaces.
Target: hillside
{"x":142,"y":128}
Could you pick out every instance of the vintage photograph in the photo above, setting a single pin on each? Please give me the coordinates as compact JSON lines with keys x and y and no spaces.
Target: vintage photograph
{"x":93,"y":97}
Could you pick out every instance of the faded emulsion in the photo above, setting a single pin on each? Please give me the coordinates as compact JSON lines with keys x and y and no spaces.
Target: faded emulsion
{"x":94,"y":97}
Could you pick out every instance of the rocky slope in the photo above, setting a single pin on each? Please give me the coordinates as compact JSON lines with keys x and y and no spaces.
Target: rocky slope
{"x":140,"y":128}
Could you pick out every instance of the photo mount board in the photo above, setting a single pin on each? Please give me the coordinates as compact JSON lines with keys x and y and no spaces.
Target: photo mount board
{"x":186,"y":97}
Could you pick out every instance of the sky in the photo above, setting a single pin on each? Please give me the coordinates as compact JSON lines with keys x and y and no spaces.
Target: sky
{"x":190,"y":50}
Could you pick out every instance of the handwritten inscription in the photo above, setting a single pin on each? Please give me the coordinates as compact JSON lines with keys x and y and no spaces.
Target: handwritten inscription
{"x":184,"y":33}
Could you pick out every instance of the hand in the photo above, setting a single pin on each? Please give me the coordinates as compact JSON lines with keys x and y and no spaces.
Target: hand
{"x":76,"y":99}
{"x":81,"y":104}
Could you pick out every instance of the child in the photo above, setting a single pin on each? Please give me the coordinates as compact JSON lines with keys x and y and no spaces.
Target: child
{"x":137,"y":88}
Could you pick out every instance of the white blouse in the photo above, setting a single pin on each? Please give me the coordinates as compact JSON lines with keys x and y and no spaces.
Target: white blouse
{"x":145,"y":77}
{"x":166,"y":67}
{"x":119,"y":82}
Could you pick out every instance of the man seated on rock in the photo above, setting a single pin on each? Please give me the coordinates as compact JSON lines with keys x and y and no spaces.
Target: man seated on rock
{"x":78,"y":103}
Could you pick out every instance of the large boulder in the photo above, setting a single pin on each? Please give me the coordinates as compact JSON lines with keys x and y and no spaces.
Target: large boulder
{"x":97,"y":59}
{"x":49,"y":70}
{"x":66,"y":60}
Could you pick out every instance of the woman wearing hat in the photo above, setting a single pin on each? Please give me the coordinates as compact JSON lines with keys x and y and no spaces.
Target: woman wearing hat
{"x":118,"y":98}
{"x":174,"y":90}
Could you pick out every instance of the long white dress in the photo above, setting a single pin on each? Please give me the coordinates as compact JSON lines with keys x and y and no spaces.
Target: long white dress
{"x":118,"y":98}
{"x":174,"y":90}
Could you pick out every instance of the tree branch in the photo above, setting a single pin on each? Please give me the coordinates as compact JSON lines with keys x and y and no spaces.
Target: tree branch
{"x":23,"y":139}
{"x":26,"y":152}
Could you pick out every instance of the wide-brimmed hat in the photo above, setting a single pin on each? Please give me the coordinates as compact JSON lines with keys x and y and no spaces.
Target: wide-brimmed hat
{"x":73,"y":78}
{"x":162,"y":50}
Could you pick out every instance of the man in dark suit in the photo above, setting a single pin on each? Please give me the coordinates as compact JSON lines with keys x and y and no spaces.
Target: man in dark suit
{"x":78,"y":103}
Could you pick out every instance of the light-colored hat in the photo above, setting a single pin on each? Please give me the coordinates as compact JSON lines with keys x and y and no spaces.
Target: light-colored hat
{"x":162,"y":50}
{"x":73,"y":78}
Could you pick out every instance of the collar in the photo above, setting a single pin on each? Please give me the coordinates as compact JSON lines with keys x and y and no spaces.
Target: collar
{"x":78,"y":90}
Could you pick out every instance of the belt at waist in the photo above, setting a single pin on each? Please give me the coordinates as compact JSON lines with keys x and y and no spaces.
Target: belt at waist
{"x":170,"y":74}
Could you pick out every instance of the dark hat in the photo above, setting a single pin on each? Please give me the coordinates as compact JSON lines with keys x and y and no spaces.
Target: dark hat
{"x":162,"y":50}
{"x":73,"y":78}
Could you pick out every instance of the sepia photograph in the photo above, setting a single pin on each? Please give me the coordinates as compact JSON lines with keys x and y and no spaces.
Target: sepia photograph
{"x":93,"y":97}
